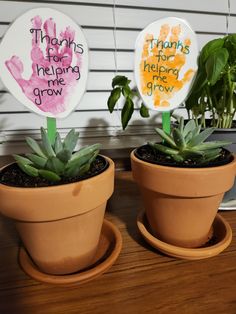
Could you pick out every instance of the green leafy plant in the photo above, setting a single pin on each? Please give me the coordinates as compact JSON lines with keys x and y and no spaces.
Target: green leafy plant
{"x":53,"y":161}
{"x":214,"y":89}
{"x":120,"y":86}
{"x":187,"y":142}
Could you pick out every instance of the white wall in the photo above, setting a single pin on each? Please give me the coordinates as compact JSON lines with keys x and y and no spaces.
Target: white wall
{"x":91,"y":118}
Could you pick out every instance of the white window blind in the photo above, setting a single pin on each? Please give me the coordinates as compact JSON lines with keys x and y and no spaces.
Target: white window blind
{"x":91,"y":117}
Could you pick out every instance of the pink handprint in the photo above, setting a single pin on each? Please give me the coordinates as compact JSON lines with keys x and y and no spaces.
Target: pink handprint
{"x":55,"y":74}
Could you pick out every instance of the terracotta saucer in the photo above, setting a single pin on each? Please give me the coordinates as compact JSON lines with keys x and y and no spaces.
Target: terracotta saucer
{"x":109,"y":248}
{"x":222,"y":236}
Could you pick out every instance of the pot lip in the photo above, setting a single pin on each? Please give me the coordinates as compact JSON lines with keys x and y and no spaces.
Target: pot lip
{"x":58,"y":187}
{"x":180,"y":169}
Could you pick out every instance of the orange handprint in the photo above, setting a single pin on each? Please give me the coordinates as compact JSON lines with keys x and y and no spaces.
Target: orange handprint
{"x":161,"y":63}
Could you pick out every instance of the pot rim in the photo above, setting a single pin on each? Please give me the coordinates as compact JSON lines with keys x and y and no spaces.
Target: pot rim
{"x":182,"y":169}
{"x":57,"y":187}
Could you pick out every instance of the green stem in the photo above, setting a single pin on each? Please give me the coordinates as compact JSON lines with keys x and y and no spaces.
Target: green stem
{"x":166,"y":121}
{"x":52,"y":129}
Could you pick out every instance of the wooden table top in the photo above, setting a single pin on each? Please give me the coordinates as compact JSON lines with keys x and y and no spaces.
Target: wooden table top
{"x":141,"y":281}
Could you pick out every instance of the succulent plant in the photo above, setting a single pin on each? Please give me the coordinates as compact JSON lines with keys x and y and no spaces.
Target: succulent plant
{"x":56,"y":160}
{"x":187,"y":142}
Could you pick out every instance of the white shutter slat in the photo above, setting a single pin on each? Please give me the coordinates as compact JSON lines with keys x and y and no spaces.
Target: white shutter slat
{"x":219,"y":6}
{"x":102,"y":16}
{"x":84,"y":15}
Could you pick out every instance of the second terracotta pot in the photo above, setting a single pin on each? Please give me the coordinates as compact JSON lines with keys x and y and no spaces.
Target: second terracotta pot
{"x":181,"y":203}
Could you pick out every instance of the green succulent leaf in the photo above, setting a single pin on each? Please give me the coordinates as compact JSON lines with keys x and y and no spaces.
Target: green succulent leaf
{"x":28,"y":169}
{"x":37,"y":160}
{"x":85,"y":151}
{"x":178,"y":138}
{"x":114,"y":97}
{"x":211,"y":145}
{"x":144,"y":112}
{"x":71,"y":140}
{"x":181,"y":124}
{"x":55,"y":165}
{"x":188,"y":137}
{"x":82,"y":161}
{"x":127,"y":112}
{"x":35,"y":147}
{"x":201,"y":137}
{"x":47,"y":146}
{"x":196,"y":131}
{"x":78,"y":162}
{"x":177,"y":158}
{"x":84,"y":169}
{"x":49,"y":175}
{"x":22,"y":159}
{"x":166,"y":137}
{"x":212,"y":153}
{"x":58,"y":146}
{"x":64,"y":155}
{"x":189,"y":127}
{"x":164,"y":149}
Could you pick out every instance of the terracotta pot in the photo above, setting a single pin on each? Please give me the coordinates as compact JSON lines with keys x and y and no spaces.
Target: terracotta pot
{"x":181,"y":203}
{"x":60,"y":225}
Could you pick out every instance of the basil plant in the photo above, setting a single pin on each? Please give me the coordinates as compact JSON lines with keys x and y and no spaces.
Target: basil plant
{"x":214,"y":90}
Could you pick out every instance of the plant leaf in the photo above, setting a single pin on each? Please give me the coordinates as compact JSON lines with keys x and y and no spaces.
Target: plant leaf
{"x":181,"y":124}
{"x":166,"y":137}
{"x":127,"y":112}
{"x":28,"y":169}
{"x":112,"y":100}
{"x":178,"y":138}
{"x":126,"y":91}
{"x":200,"y":81}
{"x":46,"y":143}
{"x":58,"y":146}
{"x":49,"y":175}
{"x":120,"y":80}
{"x":144,"y":112}
{"x":35,"y":147}
{"x":215,"y":64}
{"x":37,"y":160}
{"x":209,"y":48}
{"x":55,"y":165}
{"x":211,"y":145}
{"x":84,"y":169}
{"x":200,"y":138}
{"x":189,"y":127}
{"x":64,"y":155}
{"x":22,"y":159}
{"x":85,"y":151}
{"x":71,"y":140}
{"x":164,"y":149}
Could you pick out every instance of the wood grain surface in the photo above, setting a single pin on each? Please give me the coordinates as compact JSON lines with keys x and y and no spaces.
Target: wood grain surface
{"x":141,"y":281}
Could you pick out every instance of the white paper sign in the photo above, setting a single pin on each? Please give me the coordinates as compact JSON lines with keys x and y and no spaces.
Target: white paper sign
{"x":165,"y":63}
{"x":44,"y":62}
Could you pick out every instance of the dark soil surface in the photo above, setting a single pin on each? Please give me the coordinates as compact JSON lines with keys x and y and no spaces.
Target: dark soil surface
{"x":14,"y":176}
{"x":148,"y":154}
